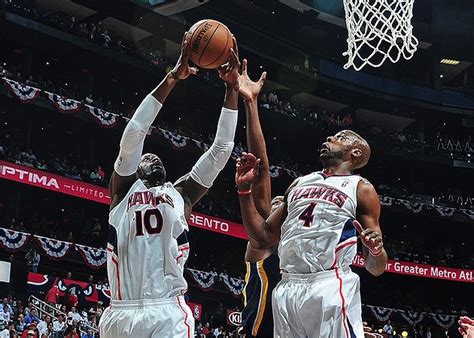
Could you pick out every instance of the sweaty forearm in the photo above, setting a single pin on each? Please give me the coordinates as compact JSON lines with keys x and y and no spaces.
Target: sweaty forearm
{"x":231,"y":98}
{"x":253,"y":222}
{"x":261,"y":187}
{"x":376,"y":264}
{"x":165,"y":87}
{"x":255,"y":139}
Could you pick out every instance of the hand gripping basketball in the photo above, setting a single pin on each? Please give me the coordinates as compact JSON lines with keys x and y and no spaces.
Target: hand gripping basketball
{"x":229,"y":72}
{"x":371,"y":239}
{"x":247,"y":168}
{"x":182,"y":70}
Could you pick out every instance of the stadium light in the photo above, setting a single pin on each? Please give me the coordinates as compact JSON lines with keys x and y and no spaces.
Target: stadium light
{"x":450,"y":62}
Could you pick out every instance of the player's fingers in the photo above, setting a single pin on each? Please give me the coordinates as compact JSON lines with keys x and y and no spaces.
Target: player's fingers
{"x":234,"y":59}
{"x":262,"y":79}
{"x":358,"y":226}
{"x":193,"y":70}
{"x":235,"y":46}
{"x":244,"y":67}
{"x":257,"y":164}
{"x":184,"y":46}
{"x":466,"y":319}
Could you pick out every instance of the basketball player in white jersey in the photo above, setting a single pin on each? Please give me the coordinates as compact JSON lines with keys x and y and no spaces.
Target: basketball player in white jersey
{"x":316,"y":228}
{"x":148,"y":246}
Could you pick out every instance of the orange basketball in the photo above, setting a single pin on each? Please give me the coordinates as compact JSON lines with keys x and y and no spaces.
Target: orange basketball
{"x":209,"y":44}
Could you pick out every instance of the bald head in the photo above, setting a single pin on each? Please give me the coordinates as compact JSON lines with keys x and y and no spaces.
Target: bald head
{"x":360,"y":149}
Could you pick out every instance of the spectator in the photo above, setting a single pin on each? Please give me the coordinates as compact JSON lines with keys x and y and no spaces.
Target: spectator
{"x":52,"y":295}
{"x":5,"y":314}
{"x":73,"y":333}
{"x":31,"y":331}
{"x":32,"y":260}
{"x":20,"y":324}
{"x":273,"y":98}
{"x":31,"y":317}
{"x":9,"y":307}
{"x":94,"y":177}
{"x":206,"y":330}
{"x":43,"y":325}
{"x":48,"y":332}
{"x":72,"y":299}
{"x":73,"y":315}
{"x":388,"y":329}
{"x":59,"y":325}
{"x":90,"y":334}
{"x":4,"y":331}
{"x":9,"y":331}
{"x":101,"y":174}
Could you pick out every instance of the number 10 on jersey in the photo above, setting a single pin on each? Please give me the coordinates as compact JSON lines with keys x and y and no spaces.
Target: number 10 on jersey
{"x":146,"y":218}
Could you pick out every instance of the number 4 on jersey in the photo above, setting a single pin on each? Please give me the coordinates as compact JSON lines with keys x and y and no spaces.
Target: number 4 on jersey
{"x":307,"y":215}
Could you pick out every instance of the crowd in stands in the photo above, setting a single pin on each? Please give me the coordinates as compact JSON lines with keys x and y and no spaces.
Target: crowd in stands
{"x":67,"y":165}
{"x":20,"y":320}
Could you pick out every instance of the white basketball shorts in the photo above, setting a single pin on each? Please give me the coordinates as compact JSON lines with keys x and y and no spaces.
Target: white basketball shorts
{"x":321,"y":305}
{"x":167,"y":318}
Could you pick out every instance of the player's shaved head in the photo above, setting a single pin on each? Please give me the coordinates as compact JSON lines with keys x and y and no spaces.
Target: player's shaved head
{"x":345,"y":147}
{"x":360,"y":149}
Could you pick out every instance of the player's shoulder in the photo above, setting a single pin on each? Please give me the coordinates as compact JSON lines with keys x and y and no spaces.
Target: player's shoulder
{"x":365,"y":188}
{"x":363,"y":183}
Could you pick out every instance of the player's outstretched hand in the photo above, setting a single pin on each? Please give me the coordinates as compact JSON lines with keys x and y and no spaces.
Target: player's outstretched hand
{"x":182,"y":70}
{"x":371,"y":239}
{"x":249,"y":89}
{"x":466,"y":327}
{"x":247,"y":167}
{"x":229,"y":72}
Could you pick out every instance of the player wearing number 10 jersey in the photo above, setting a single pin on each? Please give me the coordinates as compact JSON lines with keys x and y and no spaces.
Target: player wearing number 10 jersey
{"x":148,"y":245}
{"x":316,"y":228}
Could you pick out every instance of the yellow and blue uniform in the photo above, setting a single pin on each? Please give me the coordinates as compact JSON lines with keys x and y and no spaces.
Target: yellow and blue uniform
{"x":260,"y":280}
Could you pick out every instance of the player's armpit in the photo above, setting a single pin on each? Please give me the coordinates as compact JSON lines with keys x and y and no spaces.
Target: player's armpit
{"x":191,"y":190}
{"x":119,"y":186}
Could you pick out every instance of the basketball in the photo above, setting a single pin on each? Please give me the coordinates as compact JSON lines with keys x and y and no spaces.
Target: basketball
{"x":210,"y":44}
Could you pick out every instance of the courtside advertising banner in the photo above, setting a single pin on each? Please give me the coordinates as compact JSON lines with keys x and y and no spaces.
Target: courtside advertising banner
{"x":423,"y":270}
{"x":43,"y":179}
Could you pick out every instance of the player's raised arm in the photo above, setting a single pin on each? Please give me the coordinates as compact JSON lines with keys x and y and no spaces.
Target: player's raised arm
{"x":261,"y":186}
{"x":263,"y":233}
{"x":368,"y":214}
{"x":195,"y":184}
{"x":131,"y":144}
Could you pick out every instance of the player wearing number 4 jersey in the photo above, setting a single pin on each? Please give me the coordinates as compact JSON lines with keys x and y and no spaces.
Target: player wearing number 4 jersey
{"x":316,"y":228}
{"x":148,"y":246}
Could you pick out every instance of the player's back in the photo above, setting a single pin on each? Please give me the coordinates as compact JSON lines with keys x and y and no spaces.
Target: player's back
{"x":147,"y":245}
{"x":318,"y":233}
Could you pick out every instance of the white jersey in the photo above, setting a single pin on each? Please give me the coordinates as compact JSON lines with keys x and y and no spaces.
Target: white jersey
{"x":148,"y":244}
{"x":318,"y":233}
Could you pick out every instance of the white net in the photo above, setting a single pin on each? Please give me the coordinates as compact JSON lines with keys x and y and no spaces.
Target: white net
{"x":378,"y":30}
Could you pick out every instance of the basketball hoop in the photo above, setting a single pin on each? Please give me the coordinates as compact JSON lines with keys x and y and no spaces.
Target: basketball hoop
{"x":377,"y":30}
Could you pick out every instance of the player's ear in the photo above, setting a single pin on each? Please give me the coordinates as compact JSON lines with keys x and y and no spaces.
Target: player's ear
{"x":356,"y":152}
